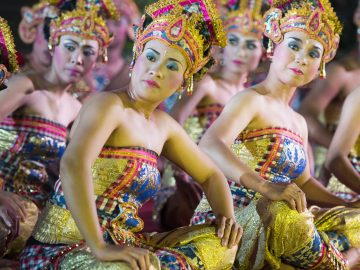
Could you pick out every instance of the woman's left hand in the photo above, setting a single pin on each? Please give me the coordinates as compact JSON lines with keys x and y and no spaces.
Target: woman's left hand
{"x":228,"y":230}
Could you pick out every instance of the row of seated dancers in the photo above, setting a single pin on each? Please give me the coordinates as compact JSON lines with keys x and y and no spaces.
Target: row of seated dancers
{"x":228,"y":169}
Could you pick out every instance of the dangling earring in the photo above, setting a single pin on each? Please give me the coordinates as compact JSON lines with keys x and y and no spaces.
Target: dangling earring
{"x":50,"y":47}
{"x":221,"y":58}
{"x":190,"y":86}
{"x":322,"y":70}
{"x":130,"y":74}
{"x":270,"y":49}
{"x":105,"y":56}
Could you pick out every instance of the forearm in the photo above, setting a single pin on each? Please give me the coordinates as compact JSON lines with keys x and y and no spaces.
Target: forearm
{"x":318,"y":132}
{"x":318,"y":194}
{"x":232,"y":166}
{"x":218,"y":195}
{"x":78,"y":189}
{"x":341,"y":167}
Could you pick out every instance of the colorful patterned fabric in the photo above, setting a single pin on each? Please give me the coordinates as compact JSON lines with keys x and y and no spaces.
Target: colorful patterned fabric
{"x":124,"y":178}
{"x":273,"y":233}
{"x":30,"y":147}
{"x":201,"y":120}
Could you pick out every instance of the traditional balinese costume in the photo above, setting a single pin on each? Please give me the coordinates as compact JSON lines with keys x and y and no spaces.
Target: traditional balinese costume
{"x":126,"y":177}
{"x":274,"y":233}
{"x":10,"y":62}
{"x":238,"y":16}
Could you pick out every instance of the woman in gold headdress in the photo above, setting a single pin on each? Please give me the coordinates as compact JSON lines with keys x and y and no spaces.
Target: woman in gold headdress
{"x":242,"y":23}
{"x":36,"y":109}
{"x":12,"y":208}
{"x":110,"y":166}
{"x":259,"y":142}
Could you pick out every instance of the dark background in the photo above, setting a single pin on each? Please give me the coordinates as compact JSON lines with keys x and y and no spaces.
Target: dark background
{"x":10,"y":10}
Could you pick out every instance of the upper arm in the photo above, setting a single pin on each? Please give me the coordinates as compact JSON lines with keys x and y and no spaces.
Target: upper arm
{"x":14,"y":96}
{"x":348,"y":129}
{"x":93,"y":126}
{"x":324,"y":91}
{"x":235,"y":117}
{"x":187,"y":104}
{"x":182,"y":151}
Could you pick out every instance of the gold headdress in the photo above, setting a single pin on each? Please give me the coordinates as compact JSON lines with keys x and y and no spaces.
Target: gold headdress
{"x":33,"y":16}
{"x":83,"y":22}
{"x":243,"y":16}
{"x":191,"y":26}
{"x":314,"y":17}
{"x":9,"y":57}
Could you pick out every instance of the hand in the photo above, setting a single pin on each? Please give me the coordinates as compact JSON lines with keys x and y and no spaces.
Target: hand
{"x":354,"y":204}
{"x":137,"y":258}
{"x":14,"y":205}
{"x":228,"y":230}
{"x":290,"y":193}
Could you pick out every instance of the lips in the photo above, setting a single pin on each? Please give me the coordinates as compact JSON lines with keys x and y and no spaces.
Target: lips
{"x":297,"y":71}
{"x":74,"y":72}
{"x":152,"y":83}
{"x":238,"y":62}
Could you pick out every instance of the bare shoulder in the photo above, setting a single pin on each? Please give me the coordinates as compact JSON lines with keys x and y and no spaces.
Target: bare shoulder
{"x":352,"y":101}
{"x":21,"y":83}
{"x":248,"y":97}
{"x":104,"y":101}
{"x":302,"y":124}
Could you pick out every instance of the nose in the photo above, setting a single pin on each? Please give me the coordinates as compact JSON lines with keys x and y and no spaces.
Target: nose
{"x":241,"y":52}
{"x":300,"y":58}
{"x":156,"y":71}
{"x":77,"y":58}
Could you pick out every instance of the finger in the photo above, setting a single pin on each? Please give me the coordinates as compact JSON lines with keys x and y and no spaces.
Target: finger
{"x":228,"y":227}
{"x":147,"y":260}
{"x":233,"y":235}
{"x":291,"y":203}
{"x":141,"y":261}
{"x":221,"y":226}
{"x":6,"y":219}
{"x":133,"y":264}
{"x":303,"y":201}
{"x":298,"y":203}
{"x":239,"y":235}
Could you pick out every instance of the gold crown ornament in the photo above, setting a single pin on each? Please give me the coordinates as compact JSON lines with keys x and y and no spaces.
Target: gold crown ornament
{"x":35,"y":15}
{"x":9,"y":57}
{"x":314,"y":17}
{"x":243,"y":16}
{"x":190,"y":26}
{"x":83,"y":22}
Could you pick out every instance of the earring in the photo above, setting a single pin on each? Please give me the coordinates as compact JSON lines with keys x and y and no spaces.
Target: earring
{"x":50,"y":47}
{"x":270,"y":49}
{"x":129,"y":74}
{"x":322,"y":74}
{"x":105,"y":56}
{"x":190,"y":86}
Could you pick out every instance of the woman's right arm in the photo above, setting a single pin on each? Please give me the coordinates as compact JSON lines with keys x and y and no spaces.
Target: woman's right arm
{"x":97,"y":120}
{"x":14,"y":96}
{"x":347,"y":132}
{"x":216,"y":142}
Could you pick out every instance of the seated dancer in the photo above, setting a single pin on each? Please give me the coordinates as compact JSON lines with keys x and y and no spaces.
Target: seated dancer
{"x":196,"y":112}
{"x":343,"y":157}
{"x":110,"y":166}
{"x":12,"y":208}
{"x":36,"y":109}
{"x":114,"y":74}
{"x":259,"y":142}
{"x":322,"y":106}
{"x":31,"y":31}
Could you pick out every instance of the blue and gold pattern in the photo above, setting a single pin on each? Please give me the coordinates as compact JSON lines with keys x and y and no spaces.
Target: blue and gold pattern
{"x":124,"y":178}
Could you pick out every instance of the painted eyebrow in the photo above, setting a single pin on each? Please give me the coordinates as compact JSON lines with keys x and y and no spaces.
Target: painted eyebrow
{"x":173,"y":59}
{"x":299,"y":40}
{"x":77,"y":43}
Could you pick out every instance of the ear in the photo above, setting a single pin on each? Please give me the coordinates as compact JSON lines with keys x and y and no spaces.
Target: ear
{"x":27,"y":32}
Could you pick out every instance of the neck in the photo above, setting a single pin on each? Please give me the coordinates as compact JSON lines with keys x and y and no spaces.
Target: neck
{"x":278,"y":89}
{"x":35,"y":63}
{"x":234,"y":78}
{"x":54,"y":84}
{"x":143,"y":107}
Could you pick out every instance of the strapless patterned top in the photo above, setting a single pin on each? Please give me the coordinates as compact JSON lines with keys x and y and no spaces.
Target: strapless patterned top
{"x":28,"y":146}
